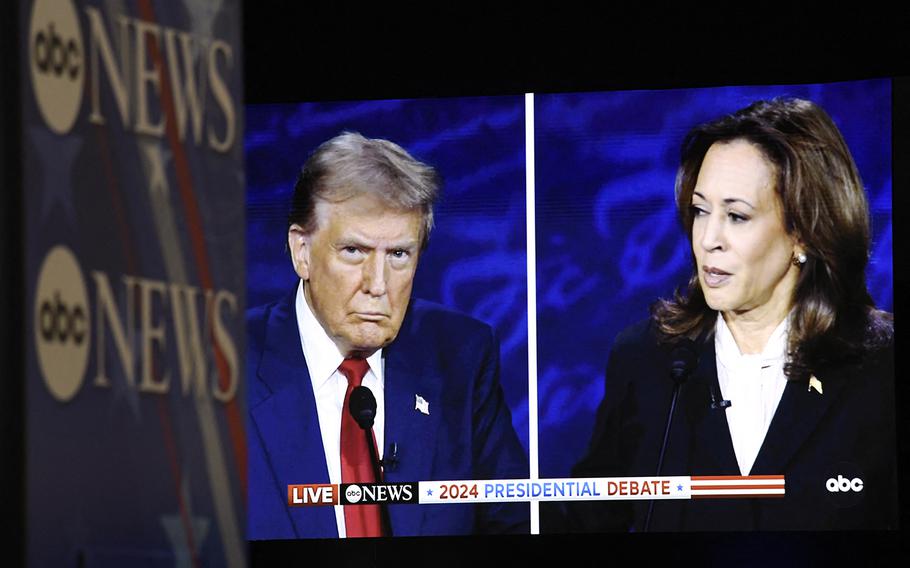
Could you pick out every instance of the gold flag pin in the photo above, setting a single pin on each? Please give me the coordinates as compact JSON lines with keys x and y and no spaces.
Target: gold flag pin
{"x":816,"y":384}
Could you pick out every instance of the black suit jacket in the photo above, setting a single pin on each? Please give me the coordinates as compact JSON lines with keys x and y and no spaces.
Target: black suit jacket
{"x":848,"y":431}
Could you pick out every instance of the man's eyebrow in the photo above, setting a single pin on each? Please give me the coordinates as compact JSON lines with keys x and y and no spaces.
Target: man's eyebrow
{"x":728,"y":200}
{"x":408,"y":244}
{"x":352,"y":240}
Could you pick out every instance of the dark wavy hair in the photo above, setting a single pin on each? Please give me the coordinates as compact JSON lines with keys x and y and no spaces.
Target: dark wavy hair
{"x":825,"y":208}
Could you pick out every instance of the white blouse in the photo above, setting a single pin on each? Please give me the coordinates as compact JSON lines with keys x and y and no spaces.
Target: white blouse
{"x":754,"y":384}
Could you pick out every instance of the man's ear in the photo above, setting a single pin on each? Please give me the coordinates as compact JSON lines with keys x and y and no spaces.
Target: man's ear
{"x":299,"y":243}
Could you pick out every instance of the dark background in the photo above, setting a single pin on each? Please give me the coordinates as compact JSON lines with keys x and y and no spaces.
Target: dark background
{"x":12,"y":295}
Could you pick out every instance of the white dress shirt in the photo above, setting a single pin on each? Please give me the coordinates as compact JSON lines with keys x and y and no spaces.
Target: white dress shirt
{"x":329,"y":385}
{"x":754,"y":384}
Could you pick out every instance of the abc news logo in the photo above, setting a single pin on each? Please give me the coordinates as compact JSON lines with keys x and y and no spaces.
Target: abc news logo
{"x":62,"y":324}
{"x":56,"y":55}
{"x":151,"y":318}
{"x":197,"y":68}
{"x":844,"y":485}
{"x":309,"y":495}
{"x":58,"y":62}
{"x":58,"y":322}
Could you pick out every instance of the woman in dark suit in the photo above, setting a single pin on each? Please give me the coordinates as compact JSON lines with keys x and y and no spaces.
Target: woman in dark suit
{"x":793,"y":367}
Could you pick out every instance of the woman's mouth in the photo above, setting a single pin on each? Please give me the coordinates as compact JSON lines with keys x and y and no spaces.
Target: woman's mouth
{"x":714,"y":277}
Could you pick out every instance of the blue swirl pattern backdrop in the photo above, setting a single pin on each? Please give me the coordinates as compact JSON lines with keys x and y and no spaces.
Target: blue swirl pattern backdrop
{"x":608,"y":240}
{"x":476,"y":259}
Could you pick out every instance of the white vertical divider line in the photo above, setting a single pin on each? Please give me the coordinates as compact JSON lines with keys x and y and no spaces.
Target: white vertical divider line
{"x":531,"y":246}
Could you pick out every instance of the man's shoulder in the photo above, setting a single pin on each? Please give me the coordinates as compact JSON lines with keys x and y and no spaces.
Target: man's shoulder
{"x":425,"y":317}
{"x":260,"y":318}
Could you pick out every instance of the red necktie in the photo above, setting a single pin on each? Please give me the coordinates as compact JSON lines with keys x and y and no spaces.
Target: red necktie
{"x":356,"y":467}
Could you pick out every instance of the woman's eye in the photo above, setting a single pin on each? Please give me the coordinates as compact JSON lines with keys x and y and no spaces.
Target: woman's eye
{"x":737,"y":218}
{"x":698,"y":211}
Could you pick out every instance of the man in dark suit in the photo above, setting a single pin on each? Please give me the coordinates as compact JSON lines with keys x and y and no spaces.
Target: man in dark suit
{"x":841,"y":426}
{"x":361,"y":216}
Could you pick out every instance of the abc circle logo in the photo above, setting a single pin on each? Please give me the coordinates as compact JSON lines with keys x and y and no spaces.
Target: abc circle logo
{"x":62,"y":323}
{"x":353,"y":493}
{"x":57,"y":62}
{"x":843,"y":484}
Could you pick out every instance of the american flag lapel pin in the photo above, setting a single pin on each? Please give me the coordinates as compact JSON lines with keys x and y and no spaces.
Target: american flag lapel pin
{"x":421,"y":404}
{"x":816,"y":384}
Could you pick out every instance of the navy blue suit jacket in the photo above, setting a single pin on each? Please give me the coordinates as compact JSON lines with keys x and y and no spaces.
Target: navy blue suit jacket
{"x":449,"y":359}
{"x":848,"y":431}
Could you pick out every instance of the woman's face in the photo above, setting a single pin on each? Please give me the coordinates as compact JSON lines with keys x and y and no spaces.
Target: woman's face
{"x":743,"y":252}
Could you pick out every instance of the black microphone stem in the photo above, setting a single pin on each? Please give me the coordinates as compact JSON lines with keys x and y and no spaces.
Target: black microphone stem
{"x":663,"y":448}
{"x":374,"y":459}
{"x":377,"y":472}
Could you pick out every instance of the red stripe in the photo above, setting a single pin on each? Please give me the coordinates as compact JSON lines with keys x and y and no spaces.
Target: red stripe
{"x":197,"y":238}
{"x":132,"y":268}
{"x":710,"y":487}
{"x":175,"y":471}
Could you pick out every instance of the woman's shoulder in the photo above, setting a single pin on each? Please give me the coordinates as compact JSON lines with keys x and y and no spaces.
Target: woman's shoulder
{"x":866,"y":340}
{"x":878,"y":340}
{"x":641,"y":341}
{"x":879,"y":331}
{"x":639,"y":335}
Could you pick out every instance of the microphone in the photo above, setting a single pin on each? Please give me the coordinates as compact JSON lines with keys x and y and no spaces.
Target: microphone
{"x":718,"y":404}
{"x":683,"y":360}
{"x":390,"y":462}
{"x":362,"y":406}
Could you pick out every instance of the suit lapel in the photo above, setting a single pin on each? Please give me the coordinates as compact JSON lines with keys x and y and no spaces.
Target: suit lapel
{"x":712,"y":451}
{"x":287,"y":421}
{"x":409,"y":373}
{"x":797,"y":417}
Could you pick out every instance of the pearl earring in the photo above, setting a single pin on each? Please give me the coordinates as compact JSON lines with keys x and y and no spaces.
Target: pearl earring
{"x":800,"y":259}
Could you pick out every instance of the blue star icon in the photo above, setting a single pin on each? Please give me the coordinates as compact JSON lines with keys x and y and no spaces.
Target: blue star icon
{"x":429,"y":492}
{"x":679,"y":487}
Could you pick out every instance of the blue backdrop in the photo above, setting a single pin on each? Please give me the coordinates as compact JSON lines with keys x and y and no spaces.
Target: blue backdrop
{"x":608,"y":241}
{"x":476,"y":259}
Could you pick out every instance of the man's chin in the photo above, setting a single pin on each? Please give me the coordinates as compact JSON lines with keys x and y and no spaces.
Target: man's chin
{"x":365,"y":344}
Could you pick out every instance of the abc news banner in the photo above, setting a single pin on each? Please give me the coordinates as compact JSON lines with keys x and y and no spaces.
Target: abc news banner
{"x":516,"y":490}
{"x":133,"y":172}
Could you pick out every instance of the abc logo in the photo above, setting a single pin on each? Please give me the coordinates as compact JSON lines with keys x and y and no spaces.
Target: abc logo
{"x":843,"y":485}
{"x":58,"y":323}
{"x":62,"y":324}
{"x":57,"y":62}
{"x":353,"y":493}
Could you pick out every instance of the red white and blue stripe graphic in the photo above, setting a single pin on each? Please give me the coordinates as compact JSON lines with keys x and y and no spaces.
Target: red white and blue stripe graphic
{"x":714,"y":486}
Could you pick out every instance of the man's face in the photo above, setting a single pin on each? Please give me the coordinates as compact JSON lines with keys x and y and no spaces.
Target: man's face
{"x":358,"y":265}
